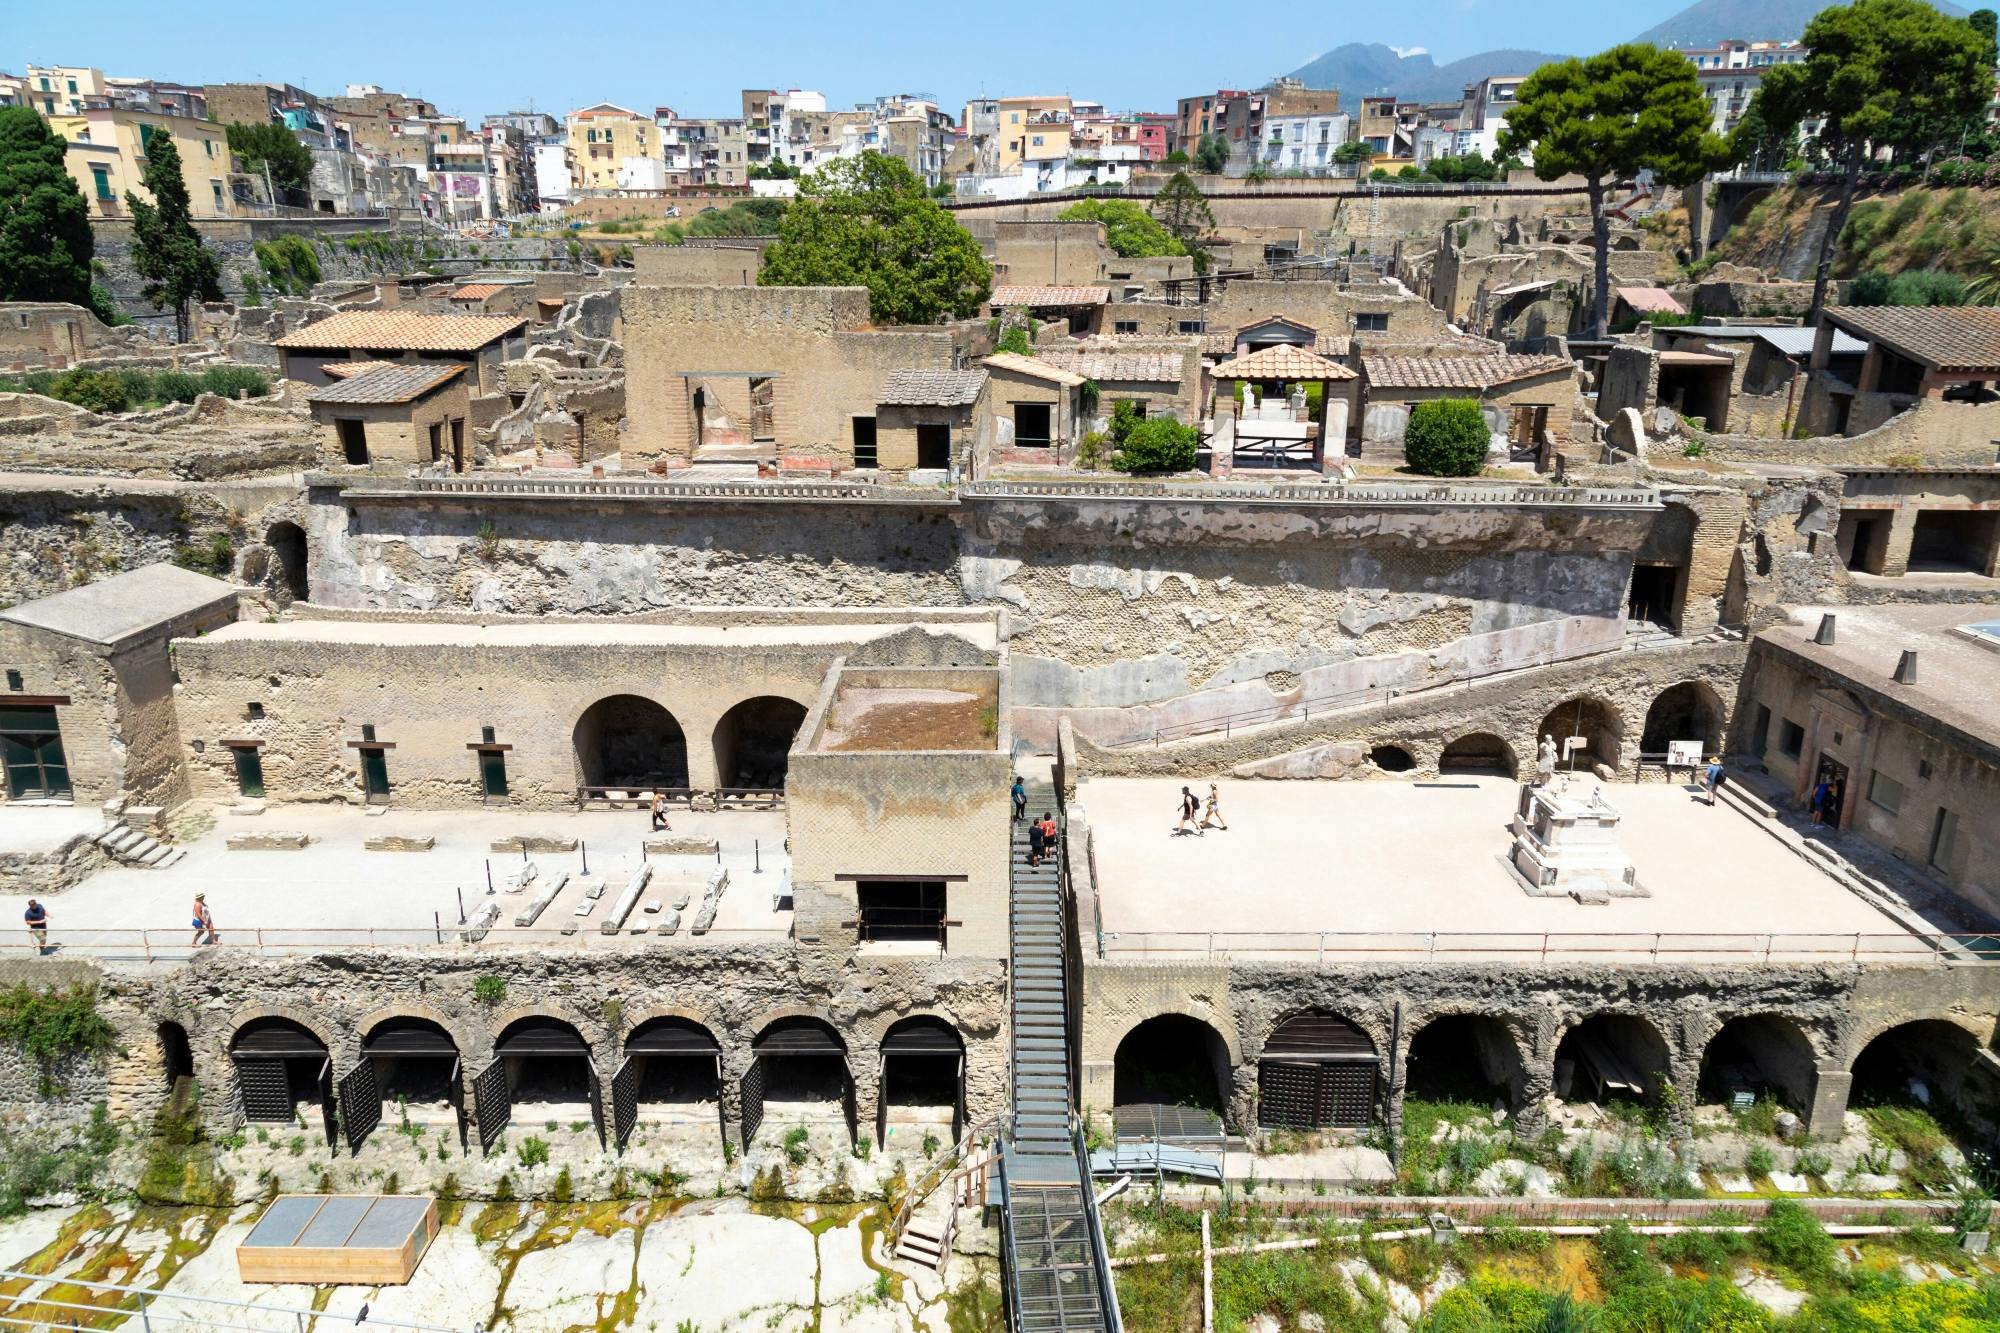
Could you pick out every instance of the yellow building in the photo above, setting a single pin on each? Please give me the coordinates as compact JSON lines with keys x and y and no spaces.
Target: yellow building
{"x":107,"y":156}
{"x":601,"y":137}
{"x":1032,"y":129}
{"x":63,"y":90}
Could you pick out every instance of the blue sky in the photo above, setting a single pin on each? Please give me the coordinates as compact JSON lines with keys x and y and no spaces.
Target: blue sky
{"x":472,"y":57}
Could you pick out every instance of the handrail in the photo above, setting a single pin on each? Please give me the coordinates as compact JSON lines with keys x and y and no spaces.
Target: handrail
{"x":921,"y":1190}
{"x":152,"y":944}
{"x":1100,"y":1247}
{"x":1755,"y":947}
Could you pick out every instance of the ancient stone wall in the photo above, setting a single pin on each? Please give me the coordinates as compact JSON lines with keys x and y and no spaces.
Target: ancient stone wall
{"x":678,"y":265}
{"x":1932,"y":433}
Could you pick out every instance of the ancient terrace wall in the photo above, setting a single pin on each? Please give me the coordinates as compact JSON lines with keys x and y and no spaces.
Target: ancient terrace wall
{"x":733,"y":991}
{"x":1109,"y":600}
{"x":558,"y":696}
{"x":1816,"y":1020}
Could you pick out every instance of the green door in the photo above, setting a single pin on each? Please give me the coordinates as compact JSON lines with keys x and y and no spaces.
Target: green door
{"x":249,"y":770}
{"x":493,"y":772}
{"x":375,"y":774}
{"x":31,"y":750}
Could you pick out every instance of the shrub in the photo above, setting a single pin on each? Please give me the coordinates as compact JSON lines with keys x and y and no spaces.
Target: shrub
{"x":489,"y":989}
{"x":1917,"y":287}
{"x":51,"y":1025}
{"x":93,"y":390}
{"x":1759,"y":1161}
{"x":1124,"y":416}
{"x":235,"y":381}
{"x":564,"y":1189}
{"x":1015,"y":339}
{"x":289,"y":263}
{"x":1158,"y":444}
{"x":216,"y":559}
{"x":534,"y":1151}
{"x":796,"y":1148}
{"x":1446,"y":437}
{"x":1793,"y":1237}
{"x":176,"y":386}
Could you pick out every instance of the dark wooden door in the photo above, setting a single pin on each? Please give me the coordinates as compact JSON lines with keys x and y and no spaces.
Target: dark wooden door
{"x":491,"y":1103}
{"x":624,"y":1102}
{"x":375,"y":774}
{"x":753,"y":1099}
{"x":360,"y":1103}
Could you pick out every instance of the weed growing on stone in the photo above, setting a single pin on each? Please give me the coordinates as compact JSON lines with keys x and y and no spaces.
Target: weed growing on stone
{"x":1759,"y":1161}
{"x":796,"y":1145}
{"x":534,"y":1151}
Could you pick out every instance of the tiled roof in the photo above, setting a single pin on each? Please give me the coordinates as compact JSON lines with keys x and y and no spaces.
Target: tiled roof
{"x":392,"y":384}
{"x":1129,"y":367}
{"x":402,"y":330}
{"x":347,"y":370}
{"x":1028,"y":365}
{"x":1049,"y":296}
{"x":1456,"y":372}
{"x":1329,"y":342}
{"x":478,"y":291}
{"x":932,"y":388}
{"x":1281,"y":362}
{"x":1965,"y":337}
{"x":1656,"y":300}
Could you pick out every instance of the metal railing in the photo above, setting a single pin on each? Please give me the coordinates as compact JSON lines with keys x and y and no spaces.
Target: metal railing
{"x":1756,"y":948}
{"x":153,"y":1309}
{"x":150,"y":944}
{"x":620,"y":488}
{"x":934,"y":1175}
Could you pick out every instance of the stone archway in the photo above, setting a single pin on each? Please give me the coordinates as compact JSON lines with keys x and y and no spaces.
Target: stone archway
{"x":630,"y":742}
{"x":287,"y":541}
{"x":754,"y":739}
{"x":1173,"y":1060}
{"x":1688,"y":711}
{"x":1596,"y":721}
{"x":1760,"y":1054}
{"x":1480,"y":753}
{"x":1466,"y":1057}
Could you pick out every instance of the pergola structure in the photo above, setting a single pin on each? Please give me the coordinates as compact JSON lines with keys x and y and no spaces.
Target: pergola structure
{"x":1276,"y":433}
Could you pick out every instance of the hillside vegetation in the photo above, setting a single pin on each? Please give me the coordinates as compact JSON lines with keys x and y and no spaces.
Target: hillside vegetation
{"x":1947,"y":230}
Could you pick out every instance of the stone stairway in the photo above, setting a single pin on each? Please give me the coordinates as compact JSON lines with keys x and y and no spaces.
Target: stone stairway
{"x":1039,"y":1002}
{"x":127,"y":844}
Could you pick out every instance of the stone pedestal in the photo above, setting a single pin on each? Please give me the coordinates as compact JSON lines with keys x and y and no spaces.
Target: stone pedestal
{"x":1566,"y":845}
{"x":1831,"y":1086}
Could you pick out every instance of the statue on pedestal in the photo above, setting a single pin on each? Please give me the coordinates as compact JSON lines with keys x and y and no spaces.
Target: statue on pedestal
{"x":1545,"y":762}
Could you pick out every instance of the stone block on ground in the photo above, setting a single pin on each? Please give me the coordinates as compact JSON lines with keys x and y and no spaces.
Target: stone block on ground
{"x":680,"y":844}
{"x":268,"y":840}
{"x":541,"y":901}
{"x":246,"y":809}
{"x":533,"y":842}
{"x":399,"y":842}
{"x":1627,"y":432}
{"x":521,"y":878}
{"x":1787,"y":1183}
{"x":482,"y":921}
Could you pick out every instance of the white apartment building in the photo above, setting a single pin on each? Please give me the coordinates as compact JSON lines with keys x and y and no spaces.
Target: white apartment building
{"x":1304,"y":143}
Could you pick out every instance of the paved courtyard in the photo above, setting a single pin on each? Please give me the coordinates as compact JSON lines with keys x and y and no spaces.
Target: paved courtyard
{"x":1378,"y":866}
{"x":334,"y":889}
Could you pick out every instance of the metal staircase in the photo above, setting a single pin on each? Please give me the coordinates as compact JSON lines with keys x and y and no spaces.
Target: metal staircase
{"x":1053,"y":1245}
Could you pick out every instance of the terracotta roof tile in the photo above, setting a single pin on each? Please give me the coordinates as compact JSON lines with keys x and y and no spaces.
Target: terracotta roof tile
{"x":932,"y":388}
{"x":1950,"y":338}
{"x":478,"y":291}
{"x":392,"y":384}
{"x":1110,"y":366}
{"x":1651,"y":300}
{"x":1456,"y":372}
{"x":344,"y":370}
{"x":1281,"y":361}
{"x":1028,"y":365}
{"x":403,"y":330}
{"x":1022,"y":295}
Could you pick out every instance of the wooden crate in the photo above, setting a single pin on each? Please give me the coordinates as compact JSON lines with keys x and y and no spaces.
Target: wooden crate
{"x":339,"y":1239}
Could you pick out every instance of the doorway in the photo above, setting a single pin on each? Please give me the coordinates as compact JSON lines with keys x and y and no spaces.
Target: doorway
{"x":375,"y":775}
{"x":493,"y":774}
{"x":933,"y":446}
{"x":249,"y":771}
{"x":1033,"y":428}
{"x":32,"y":750}
{"x":1832,"y":774}
{"x":1652,"y":597}
{"x":437,"y":441}
{"x":458,"y":444}
{"x":353,"y":440}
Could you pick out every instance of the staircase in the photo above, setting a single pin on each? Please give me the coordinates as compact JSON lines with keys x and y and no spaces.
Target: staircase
{"x":1039,"y":1007}
{"x":1051,"y":1242}
{"x":124,"y":843}
{"x":927,"y":1240}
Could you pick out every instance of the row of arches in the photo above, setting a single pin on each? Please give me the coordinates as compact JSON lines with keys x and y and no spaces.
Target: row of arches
{"x":1320,"y":1070}
{"x":668,"y":1069}
{"x":1688,"y":710}
{"x":629,"y":742}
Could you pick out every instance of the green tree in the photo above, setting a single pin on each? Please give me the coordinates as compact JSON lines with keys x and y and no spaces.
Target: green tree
{"x":1129,"y":229}
{"x":1211,"y":154}
{"x":272,"y":146}
{"x":867,"y":222}
{"x":1875,"y":73}
{"x":1446,"y":437}
{"x":45,"y":240}
{"x":1183,"y":210}
{"x":1608,"y":117}
{"x":1354,"y":151}
{"x":1158,"y":444}
{"x":166,"y":250}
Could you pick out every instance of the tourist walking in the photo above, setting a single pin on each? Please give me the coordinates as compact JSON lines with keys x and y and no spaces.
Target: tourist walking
{"x":37,"y":917}
{"x":1020,"y":794}
{"x":1213,"y":810}
{"x":1822,"y":795}
{"x":1048,"y":827}
{"x":1190,"y":807}
{"x":1038,"y":843}
{"x":660,"y":814}
{"x":1713,"y":778}
{"x":204,"y":922}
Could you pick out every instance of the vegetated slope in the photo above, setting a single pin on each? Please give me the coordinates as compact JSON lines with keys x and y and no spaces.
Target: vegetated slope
{"x":1954,"y":231}
{"x":1370,"y":68}
{"x":1710,"y":22}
